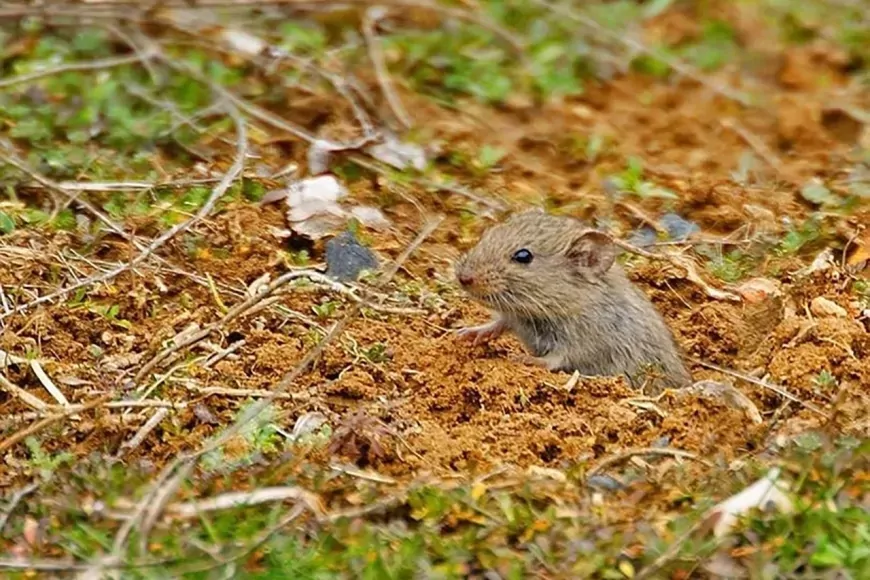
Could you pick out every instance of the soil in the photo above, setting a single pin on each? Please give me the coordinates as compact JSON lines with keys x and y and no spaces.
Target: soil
{"x":446,"y":406}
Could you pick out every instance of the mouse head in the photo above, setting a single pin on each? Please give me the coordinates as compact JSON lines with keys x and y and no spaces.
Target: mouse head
{"x":535,"y":264}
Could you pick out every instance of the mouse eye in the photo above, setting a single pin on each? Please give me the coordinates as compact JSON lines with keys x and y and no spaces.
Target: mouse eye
{"x":522,"y":256}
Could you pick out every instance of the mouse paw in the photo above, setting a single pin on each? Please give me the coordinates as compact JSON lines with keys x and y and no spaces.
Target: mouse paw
{"x":549,"y":362}
{"x":482,"y":333}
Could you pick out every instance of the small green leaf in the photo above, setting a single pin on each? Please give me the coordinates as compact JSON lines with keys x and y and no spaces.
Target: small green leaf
{"x":7,"y":224}
{"x":816,"y":192}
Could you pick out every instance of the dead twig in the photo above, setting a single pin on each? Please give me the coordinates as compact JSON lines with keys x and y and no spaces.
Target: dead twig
{"x":683,"y":262}
{"x":98,"y":64}
{"x":376,"y":55}
{"x":143,"y":432}
{"x":40,"y":425}
{"x":236,"y":499}
{"x":782,"y":392}
{"x":216,"y":194}
{"x":170,"y":478}
{"x":629,"y":453}
{"x":49,"y":385}
{"x":16,"y":498}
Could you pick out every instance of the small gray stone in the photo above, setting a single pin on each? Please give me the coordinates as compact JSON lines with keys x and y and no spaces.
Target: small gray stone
{"x":678,"y":228}
{"x":346,"y":257}
{"x":643,"y":237}
{"x":604,"y":482}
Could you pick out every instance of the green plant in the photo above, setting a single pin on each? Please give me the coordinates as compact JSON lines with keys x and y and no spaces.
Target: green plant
{"x":825,"y":380}
{"x":325,"y":309}
{"x":631,"y":180}
{"x":731,"y":266}
{"x":43,"y":462}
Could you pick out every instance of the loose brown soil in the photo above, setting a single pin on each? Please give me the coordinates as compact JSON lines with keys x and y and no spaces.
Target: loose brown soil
{"x":449,"y":406}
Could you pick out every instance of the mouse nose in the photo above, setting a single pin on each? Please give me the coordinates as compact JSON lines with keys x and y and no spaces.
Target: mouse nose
{"x":466,"y":279}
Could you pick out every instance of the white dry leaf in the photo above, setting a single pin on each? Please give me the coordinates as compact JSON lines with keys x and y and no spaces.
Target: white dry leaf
{"x":319,"y":156}
{"x":306,"y":424}
{"x":7,"y":359}
{"x":825,"y":308}
{"x":370,"y":217}
{"x":318,"y":226}
{"x":243,"y":42}
{"x":313,"y":196}
{"x":398,"y":154}
{"x":767,"y":491}
{"x":274,"y":195}
{"x":546,"y":473}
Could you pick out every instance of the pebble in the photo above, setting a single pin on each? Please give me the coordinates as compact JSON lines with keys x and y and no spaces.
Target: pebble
{"x":604,"y":482}
{"x":678,"y":228}
{"x":824,"y":308}
{"x":758,"y":290}
{"x":346,"y":257}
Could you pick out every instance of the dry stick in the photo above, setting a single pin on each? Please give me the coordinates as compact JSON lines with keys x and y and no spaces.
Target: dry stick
{"x":216,"y":194}
{"x":233,"y":313}
{"x":13,"y":503}
{"x":133,"y":10}
{"x":99,"y":64}
{"x":681,"y":262}
{"x":629,"y":453}
{"x":250,"y":305}
{"x":12,"y":159}
{"x":678,"y":65}
{"x":174,"y":473}
{"x":39,"y":425}
{"x":27,"y":398}
{"x":49,"y":385}
{"x":775,"y":388}
{"x":376,"y":55}
{"x":266,"y":116}
{"x":143,"y":432}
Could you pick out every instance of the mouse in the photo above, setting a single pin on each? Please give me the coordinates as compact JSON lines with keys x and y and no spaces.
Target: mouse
{"x":555,"y":283}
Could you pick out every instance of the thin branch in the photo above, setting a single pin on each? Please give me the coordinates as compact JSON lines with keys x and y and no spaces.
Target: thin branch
{"x":376,"y":55}
{"x":42,"y":424}
{"x":782,"y":392}
{"x":13,"y":502}
{"x":216,"y":194}
{"x":143,"y":432}
{"x":683,"y":263}
{"x":629,"y":453}
{"x":99,"y":64}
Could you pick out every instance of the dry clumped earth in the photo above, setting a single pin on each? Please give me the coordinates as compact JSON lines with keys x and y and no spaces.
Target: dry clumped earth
{"x":467,"y":408}
{"x":420,"y":401}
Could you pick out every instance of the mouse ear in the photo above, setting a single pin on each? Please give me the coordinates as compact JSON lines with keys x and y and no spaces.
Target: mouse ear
{"x":592,"y":251}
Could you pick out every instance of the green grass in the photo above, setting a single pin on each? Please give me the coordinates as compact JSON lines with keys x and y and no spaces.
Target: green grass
{"x":516,"y":530}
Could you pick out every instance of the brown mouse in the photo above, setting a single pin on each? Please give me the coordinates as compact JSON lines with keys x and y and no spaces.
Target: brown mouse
{"x":555,"y":283}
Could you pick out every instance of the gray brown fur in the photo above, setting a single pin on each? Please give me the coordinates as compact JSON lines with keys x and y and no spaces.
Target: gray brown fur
{"x":572,"y":306}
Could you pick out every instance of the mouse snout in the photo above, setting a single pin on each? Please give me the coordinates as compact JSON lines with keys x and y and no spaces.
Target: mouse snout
{"x":465,"y":278}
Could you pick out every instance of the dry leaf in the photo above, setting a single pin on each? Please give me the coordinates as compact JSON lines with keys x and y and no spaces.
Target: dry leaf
{"x":766,"y":491}
{"x":824,"y":308}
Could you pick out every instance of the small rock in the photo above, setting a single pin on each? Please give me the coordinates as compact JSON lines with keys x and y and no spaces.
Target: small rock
{"x":346,"y":257}
{"x":758,"y":290}
{"x":645,"y":236}
{"x":678,"y":228}
{"x":824,"y":308}
{"x":604,"y":482}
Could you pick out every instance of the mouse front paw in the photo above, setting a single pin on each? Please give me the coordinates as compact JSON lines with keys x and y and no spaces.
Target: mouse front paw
{"x":482,"y":333}
{"x":550,"y":362}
